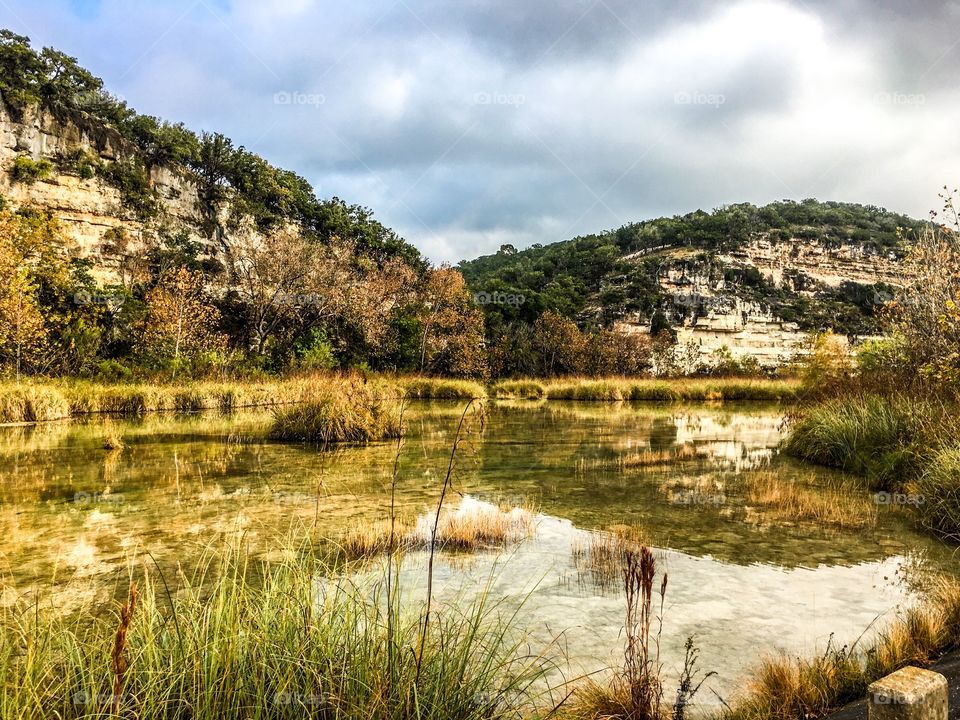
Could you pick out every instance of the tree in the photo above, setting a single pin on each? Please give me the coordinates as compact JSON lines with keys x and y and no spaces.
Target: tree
{"x":451,"y":341}
{"x":180,"y":320}
{"x":561,"y":345}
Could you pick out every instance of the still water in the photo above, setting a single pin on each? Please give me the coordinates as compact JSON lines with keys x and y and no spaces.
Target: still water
{"x":748,"y":573}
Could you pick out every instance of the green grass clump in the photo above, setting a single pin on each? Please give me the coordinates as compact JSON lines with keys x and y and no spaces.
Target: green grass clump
{"x":30,"y":402}
{"x":442,"y":388}
{"x":937,"y":494}
{"x":881,"y":438}
{"x":241,"y":639}
{"x":352,"y":410}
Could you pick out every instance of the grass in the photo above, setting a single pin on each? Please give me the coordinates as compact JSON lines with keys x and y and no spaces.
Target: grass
{"x":677,"y":390}
{"x":347,"y":410}
{"x":806,"y":688}
{"x":899,"y":444}
{"x":112,"y":437}
{"x":30,"y":402}
{"x":881,"y":438}
{"x":471,"y":526}
{"x":241,"y":639}
{"x":518,"y":389}
{"x":428,"y":388}
{"x":790,"y":500}
{"x":601,"y":555}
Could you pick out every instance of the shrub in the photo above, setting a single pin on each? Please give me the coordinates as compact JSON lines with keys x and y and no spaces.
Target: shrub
{"x":28,"y":171}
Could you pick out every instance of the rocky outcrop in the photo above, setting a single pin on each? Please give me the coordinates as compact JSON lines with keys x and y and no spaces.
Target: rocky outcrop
{"x":711,"y":312}
{"x":88,"y":208}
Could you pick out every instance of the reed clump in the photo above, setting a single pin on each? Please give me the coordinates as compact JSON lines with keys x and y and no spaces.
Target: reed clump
{"x":31,"y":402}
{"x":674,"y":390}
{"x":112,"y":437}
{"x":431,"y":388}
{"x":790,"y":500}
{"x":350,"y":410}
{"x":518,"y":389}
{"x":602,"y":555}
{"x":473,"y":525}
{"x":288,"y":639}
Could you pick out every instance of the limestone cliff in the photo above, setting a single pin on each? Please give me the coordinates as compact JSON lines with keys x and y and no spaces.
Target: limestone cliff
{"x":89,"y":207}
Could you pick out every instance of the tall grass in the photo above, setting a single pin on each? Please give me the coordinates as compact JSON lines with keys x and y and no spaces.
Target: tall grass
{"x":243,"y":640}
{"x":678,"y":390}
{"x":430,"y":388}
{"x":349,"y":410}
{"x":786,"y":688}
{"x":29,"y":402}
{"x":882,"y":438}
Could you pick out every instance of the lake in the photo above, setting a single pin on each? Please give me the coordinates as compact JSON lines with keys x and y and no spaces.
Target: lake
{"x":748,"y":574}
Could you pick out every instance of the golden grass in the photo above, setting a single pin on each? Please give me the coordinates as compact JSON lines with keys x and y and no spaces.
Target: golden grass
{"x":786,"y":688}
{"x":29,"y":402}
{"x":600,"y":555}
{"x":344,"y":410}
{"x":784,"y":500}
{"x":112,"y":437}
{"x":471,"y":526}
{"x":674,"y":390}
{"x":430,"y":388}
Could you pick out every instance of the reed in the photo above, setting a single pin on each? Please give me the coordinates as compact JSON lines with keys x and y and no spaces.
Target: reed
{"x":788,"y":501}
{"x":430,"y":388}
{"x":678,"y":390}
{"x":289,"y":639}
{"x":350,"y":410}
{"x":518,"y":389}
{"x":112,"y":437}
{"x":31,"y":402}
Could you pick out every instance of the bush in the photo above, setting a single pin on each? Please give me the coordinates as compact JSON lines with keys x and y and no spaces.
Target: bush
{"x":28,"y":171}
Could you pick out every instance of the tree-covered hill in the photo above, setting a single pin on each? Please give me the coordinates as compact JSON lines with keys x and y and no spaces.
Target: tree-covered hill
{"x":607,"y":276}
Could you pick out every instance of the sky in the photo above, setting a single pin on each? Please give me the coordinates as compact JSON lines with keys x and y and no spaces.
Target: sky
{"x":467,"y":124}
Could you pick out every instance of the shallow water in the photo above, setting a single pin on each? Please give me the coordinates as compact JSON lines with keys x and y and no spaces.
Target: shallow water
{"x":744,"y":577}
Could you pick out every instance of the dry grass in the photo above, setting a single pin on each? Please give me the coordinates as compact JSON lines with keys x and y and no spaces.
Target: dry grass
{"x":30,"y":402}
{"x":473,"y":525}
{"x":429,"y":388}
{"x":788,"y":688}
{"x":678,"y":390}
{"x":112,"y":437}
{"x":785,"y":500}
{"x":600,"y":556}
{"x":346,"y":410}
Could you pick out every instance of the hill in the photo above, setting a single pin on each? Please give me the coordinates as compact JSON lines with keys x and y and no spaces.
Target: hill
{"x":756,"y":279}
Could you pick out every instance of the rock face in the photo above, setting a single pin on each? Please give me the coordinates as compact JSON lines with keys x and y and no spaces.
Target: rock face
{"x":711,"y":311}
{"x":89,"y":208}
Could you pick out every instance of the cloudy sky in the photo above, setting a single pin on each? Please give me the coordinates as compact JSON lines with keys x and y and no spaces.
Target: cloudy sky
{"x":466,"y":124}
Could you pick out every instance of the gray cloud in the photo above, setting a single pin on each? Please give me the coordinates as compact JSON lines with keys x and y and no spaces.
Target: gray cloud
{"x":469,"y":124}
